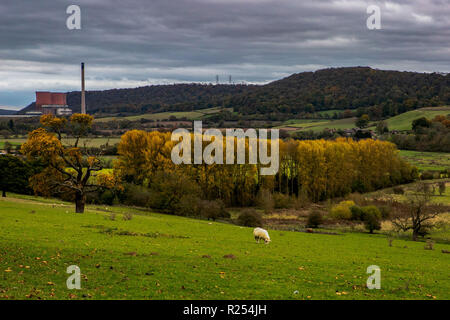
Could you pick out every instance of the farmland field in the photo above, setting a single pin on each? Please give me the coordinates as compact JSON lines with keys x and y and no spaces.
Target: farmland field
{"x":403,"y":121}
{"x":427,"y":160}
{"x":319,"y":125}
{"x":190,"y":115}
{"x":90,"y":142}
{"x":166,"y":257}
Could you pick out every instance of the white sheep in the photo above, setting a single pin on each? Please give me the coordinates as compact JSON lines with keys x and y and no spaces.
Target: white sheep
{"x":261,"y":234}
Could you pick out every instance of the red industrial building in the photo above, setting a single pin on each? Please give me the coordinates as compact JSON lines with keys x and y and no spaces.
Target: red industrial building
{"x":52,"y":103}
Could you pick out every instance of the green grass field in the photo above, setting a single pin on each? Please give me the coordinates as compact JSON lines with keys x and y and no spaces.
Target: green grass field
{"x":156,"y":256}
{"x":13,"y":143}
{"x":427,"y":160}
{"x":319,"y":125}
{"x":401,"y":122}
{"x":90,"y":142}
{"x":192,"y":115}
{"x":404,"y":121}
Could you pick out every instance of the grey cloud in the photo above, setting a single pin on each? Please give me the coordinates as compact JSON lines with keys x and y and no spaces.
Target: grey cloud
{"x":138,"y":42}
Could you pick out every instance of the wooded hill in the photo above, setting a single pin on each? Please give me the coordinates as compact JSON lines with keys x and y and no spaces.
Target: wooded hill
{"x":380,"y":93}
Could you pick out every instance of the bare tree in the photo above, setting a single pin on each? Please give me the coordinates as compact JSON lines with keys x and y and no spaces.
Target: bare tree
{"x":417,"y":212}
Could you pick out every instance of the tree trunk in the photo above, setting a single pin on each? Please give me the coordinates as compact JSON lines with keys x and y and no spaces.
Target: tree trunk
{"x":80,"y":201}
{"x":415,"y":235}
{"x":416,"y":229}
{"x":3,"y":193}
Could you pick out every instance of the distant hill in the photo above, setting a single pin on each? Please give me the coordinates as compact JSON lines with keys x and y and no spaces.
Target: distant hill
{"x":377,"y":92}
{"x":4,"y":112}
{"x":385,"y":93}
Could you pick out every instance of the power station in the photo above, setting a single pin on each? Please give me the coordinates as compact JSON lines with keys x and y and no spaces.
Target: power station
{"x":56,"y":102}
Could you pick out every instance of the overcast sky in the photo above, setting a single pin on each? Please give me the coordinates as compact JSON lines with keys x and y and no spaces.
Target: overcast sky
{"x":140,"y":42}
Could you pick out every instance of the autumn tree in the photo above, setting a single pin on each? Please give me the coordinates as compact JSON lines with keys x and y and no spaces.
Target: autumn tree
{"x":69,"y":166}
{"x":318,"y":169}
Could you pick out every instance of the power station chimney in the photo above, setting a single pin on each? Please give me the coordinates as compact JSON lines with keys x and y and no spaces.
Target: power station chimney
{"x":83,"y":95}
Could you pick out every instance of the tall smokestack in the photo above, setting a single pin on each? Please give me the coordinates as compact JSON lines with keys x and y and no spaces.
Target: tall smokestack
{"x":83,"y":96}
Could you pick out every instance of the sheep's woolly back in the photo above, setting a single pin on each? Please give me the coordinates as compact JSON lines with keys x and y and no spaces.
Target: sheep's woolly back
{"x":261,"y":234}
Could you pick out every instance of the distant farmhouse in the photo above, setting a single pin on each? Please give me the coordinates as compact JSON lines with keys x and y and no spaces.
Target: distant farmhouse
{"x":51,"y":103}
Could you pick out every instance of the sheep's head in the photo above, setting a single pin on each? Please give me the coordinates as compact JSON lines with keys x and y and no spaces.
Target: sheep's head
{"x":267,"y":241}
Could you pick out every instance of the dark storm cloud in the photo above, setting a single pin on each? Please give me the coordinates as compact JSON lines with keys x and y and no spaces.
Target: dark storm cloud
{"x":138,"y":42}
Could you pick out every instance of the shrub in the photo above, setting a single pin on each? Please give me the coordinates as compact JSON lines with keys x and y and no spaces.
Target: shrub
{"x":188,"y":206}
{"x":398,"y":190}
{"x":442,"y":187}
{"x":428,"y":175}
{"x":357,"y":213}
{"x":107,"y":197}
{"x":371,"y":210}
{"x":213,"y":210}
{"x":342,"y":210}
{"x":249,"y":218}
{"x":168,"y":188}
{"x":315,"y":219}
{"x":134,"y":195}
{"x":15,"y":174}
{"x":282,"y":201}
{"x":372,"y":218}
{"x":372,"y":222}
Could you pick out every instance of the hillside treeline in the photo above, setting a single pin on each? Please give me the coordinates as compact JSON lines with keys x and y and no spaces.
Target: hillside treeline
{"x":378,"y":93}
{"x":316,"y":170}
{"x":157,"y":98}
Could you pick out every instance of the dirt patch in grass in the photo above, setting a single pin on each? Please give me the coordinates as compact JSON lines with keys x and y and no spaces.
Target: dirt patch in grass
{"x":119,"y":232}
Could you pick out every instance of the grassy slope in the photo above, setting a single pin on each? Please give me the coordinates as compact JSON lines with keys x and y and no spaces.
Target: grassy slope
{"x":400,"y":122}
{"x":194,"y":115}
{"x":320,"y":125}
{"x":403,"y":121}
{"x":318,"y":266}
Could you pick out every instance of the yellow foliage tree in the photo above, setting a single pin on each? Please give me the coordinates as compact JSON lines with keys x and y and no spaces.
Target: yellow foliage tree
{"x":69,"y":167}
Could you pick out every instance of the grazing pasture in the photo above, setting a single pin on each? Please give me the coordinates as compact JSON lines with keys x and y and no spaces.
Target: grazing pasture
{"x":90,"y":142}
{"x":427,"y":160}
{"x":189,"y":115}
{"x":319,"y":125}
{"x":404,"y":121}
{"x":154,"y":256}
